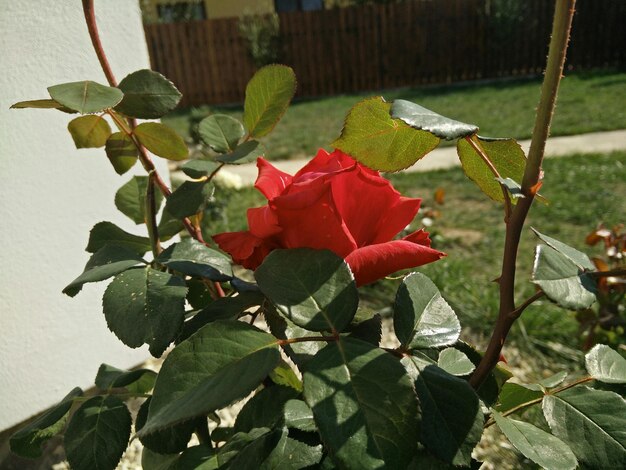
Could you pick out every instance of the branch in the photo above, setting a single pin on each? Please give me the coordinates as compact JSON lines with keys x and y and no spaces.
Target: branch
{"x":564,"y":11}
{"x":150,"y":211}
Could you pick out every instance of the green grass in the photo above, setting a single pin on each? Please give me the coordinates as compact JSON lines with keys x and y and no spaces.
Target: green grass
{"x":588,"y":102}
{"x":582,"y":191}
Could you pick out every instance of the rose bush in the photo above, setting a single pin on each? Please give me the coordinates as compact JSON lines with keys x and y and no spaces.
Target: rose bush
{"x":332,"y":203}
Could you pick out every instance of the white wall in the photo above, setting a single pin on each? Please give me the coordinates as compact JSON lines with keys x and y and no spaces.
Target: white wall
{"x":50,"y":196}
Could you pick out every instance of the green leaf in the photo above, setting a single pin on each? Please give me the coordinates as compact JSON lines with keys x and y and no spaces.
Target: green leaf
{"x":246,"y":152}
{"x":224,"y":308}
{"x":104,"y":233}
{"x":27,"y":441}
{"x":265,"y":409}
{"x":189,"y":198}
{"x":151,"y":460}
{"x":130,"y":199}
{"x":42,"y":104}
{"x":506,"y":155}
{"x":135,"y":381}
{"x":256,"y":451}
{"x":315,"y":289}
{"x":579,"y":258}
{"x":86,"y":97}
{"x":513,"y":395}
{"x":592,"y":422}
{"x":121,"y":152}
{"x":376,"y":140}
{"x":290,"y":454}
{"x":452,"y":422}
{"x":268,"y":95}
{"x":284,"y":375}
{"x":147,"y":95}
{"x":298,"y":415}
{"x":421,"y":118}
{"x":221,"y":132}
{"x":606,"y":365}
{"x":162,"y":141}
{"x":170,"y":440}
{"x":199,"y":168}
{"x":369,"y":330}
{"x":108,"y":261}
{"x":537,"y":445}
{"x":97,"y":435}
{"x":553,"y":380}
{"x":562,"y":281}
{"x":169,"y":226}
{"x":195,"y":259}
{"x":145,"y":306}
{"x":455,"y":362}
{"x":422,"y":318}
{"x":363,"y":404}
{"x":89,"y":131}
{"x":219,"y":364}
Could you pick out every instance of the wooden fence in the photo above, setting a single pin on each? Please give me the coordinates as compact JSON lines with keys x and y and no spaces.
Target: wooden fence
{"x":385,"y":46}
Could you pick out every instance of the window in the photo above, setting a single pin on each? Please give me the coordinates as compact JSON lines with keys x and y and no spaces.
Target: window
{"x":181,"y":11}
{"x":298,"y":5}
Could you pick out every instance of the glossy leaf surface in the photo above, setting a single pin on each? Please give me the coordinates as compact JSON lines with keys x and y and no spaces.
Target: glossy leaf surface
{"x":537,"y":445}
{"x":221,"y":363}
{"x":455,"y":362}
{"x":422,"y":318}
{"x":108,"y":261}
{"x":195,"y":259}
{"x":188,"y":198}
{"x":452,"y":422}
{"x":592,"y":422}
{"x":145,"y":306}
{"x":421,"y":118}
{"x":364,"y":405}
{"x":314,"y":289}
{"x":562,"y":281}
{"x":606,"y":365}
{"x":104,"y":233}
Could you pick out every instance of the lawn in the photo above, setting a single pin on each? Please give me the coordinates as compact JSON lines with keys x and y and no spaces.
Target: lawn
{"x":582,"y":191}
{"x":588,"y":102}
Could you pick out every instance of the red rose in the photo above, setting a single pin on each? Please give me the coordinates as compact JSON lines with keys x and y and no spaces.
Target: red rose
{"x":337,"y":204}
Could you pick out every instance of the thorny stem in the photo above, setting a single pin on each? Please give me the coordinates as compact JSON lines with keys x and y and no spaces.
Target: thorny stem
{"x":536,"y":401}
{"x":564,"y":11}
{"x":507,"y":199}
{"x":144,"y":158}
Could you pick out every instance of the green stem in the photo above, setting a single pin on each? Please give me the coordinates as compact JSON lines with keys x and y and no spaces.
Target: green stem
{"x":561,"y":26}
{"x":150,"y":211}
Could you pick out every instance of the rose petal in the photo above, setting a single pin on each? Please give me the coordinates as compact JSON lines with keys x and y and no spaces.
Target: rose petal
{"x":365,"y":203}
{"x":374,"y":262}
{"x":245,"y":249}
{"x":397,"y":217}
{"x":309,"y":219}
{"x":271,"y":181}
{"x":262,"y":222}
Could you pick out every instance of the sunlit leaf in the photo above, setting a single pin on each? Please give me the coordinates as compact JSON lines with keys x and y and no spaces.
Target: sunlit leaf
{"x":268,"y":95}
{"x":89,"y":131}
{"x":121,"y":152}
{"x":162,"y":141}
{"x":130,"y":199}
{"x":606,"y":365}
{"x":221,"y":132}
{"x":375,"y":139}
